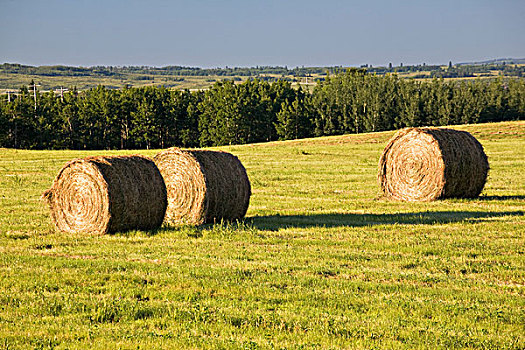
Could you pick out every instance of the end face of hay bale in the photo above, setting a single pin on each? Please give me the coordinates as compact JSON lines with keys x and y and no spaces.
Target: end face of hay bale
{"x":424,"y":164}
{"x":107,"y":194}
{"x":79,"y":199}
{"x":185,"y":185}
{"x":203,"y":186}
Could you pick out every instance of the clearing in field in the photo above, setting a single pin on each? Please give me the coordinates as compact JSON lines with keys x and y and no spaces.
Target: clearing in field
{"x":320,"y":262}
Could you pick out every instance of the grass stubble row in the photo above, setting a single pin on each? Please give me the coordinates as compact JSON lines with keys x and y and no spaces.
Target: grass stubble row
{"x":116,"y":193}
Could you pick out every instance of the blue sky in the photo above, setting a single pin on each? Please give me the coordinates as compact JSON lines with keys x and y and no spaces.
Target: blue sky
{"x":207,"y":33}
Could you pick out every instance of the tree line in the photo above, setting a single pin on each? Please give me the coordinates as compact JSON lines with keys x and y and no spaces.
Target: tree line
{"x":353,"y":101}
{"x":460,"y":70}
{"x":107,"y":71}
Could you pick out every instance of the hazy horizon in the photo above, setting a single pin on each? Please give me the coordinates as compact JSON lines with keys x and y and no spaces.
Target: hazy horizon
{"x":254,"y":66}
{"x":234,"y":33}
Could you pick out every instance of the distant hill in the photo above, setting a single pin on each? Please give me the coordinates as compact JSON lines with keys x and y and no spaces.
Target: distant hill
{"x":494,"y":61}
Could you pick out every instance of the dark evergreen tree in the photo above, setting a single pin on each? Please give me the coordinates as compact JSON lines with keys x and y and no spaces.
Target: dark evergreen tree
{"x":253,"y":111}
{"x":294,"y":118}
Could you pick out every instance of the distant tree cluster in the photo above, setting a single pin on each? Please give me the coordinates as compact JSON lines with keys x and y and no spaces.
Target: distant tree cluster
{"x":464,"y":70}
{"x":353,"y":101}
{"x":146,"y":117}
{"x":121,"y":72}
{"x":452,"y":71}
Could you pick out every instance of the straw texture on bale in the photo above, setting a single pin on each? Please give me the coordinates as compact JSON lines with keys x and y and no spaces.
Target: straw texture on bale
{"x":424,"y":164}
{"x":107,"y":194}
{"x":203,"y":186}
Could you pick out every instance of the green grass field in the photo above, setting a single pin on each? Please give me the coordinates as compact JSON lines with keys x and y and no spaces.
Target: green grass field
{"x":321,"y":262}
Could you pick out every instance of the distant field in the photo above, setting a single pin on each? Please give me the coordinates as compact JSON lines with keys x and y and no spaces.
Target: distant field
{"x":321,"y":262}
{"x":84,"y":83}
{"x":13,"y":81}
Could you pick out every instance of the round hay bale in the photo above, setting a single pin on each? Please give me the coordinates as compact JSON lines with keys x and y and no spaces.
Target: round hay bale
{"x":203,"y":186}
{"x":424,"y":164}
{"x":107,"y":194}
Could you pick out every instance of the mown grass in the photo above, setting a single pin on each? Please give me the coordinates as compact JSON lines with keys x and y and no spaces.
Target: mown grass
{"x":321,"y":262}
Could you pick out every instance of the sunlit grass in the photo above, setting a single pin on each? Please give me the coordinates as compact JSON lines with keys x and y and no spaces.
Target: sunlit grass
{"x":320,"y":262}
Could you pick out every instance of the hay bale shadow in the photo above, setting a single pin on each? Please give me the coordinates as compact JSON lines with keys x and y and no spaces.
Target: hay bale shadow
{"x":501,"y":198}
{"x":276,"y":222}
{"x":221,"y":228}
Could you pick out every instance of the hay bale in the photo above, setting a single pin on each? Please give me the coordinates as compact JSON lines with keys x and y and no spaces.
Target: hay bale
{"x":107,"y":194}
{"x":424,"y":164}
{"x":203,"y":186}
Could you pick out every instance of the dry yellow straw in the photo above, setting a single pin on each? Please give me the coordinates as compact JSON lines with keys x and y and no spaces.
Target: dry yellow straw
{"x":203,"y":186}
{"x":424,"y":164}
{"x":107,"y":194}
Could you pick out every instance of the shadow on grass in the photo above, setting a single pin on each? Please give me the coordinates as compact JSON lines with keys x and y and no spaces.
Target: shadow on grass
{"x":501,"y":198}
{"x":224,"y":228}
{"x":276,"y":222}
